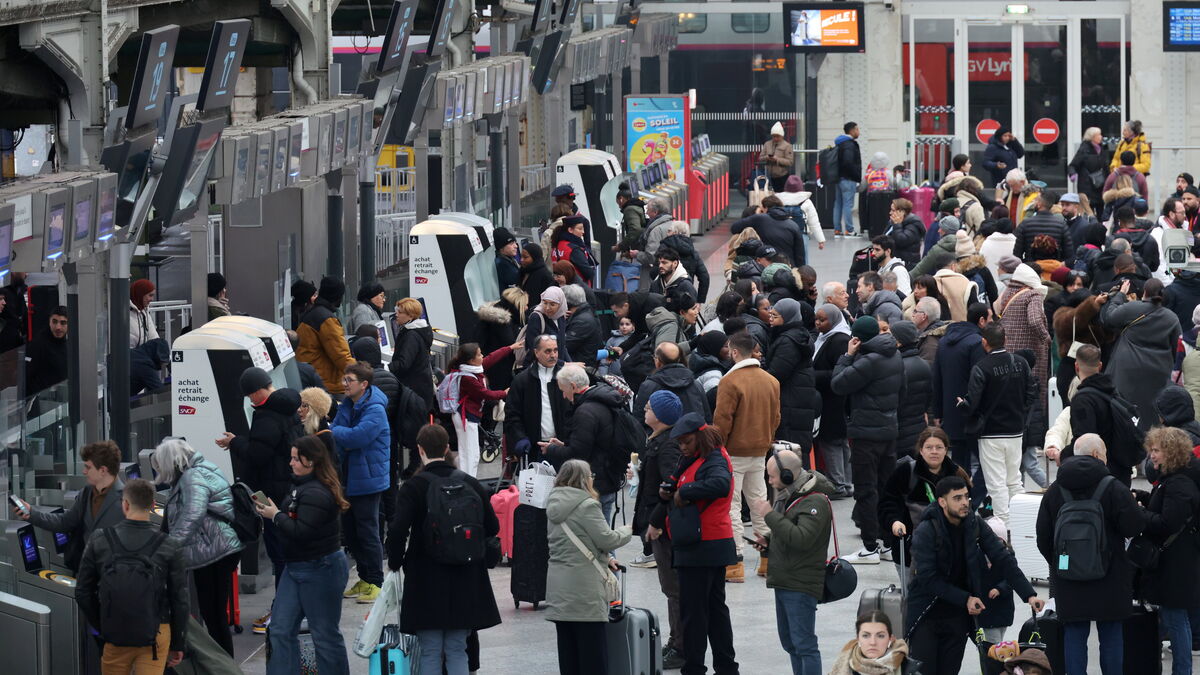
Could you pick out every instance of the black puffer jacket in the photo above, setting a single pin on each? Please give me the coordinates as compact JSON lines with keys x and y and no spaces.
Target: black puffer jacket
{"x":917,"y":400}
{"x":789,"y":360}
{"x":590,"y":432}
{"x":873,"y":381}
{"x":758,"y":329}
{"x":261,"y":458}
{"x":309,"y":519}
{"x":1142,"y":244}
{"x":907,"y":494}
{"x":1183,"y":295}
{"x":536,"y":277}
{"x":655,"y":465}
{"x":583,"y":335}
{"x":909,"y":235}
{"x":775,"y":228}
{"x":1050,"y":224}
{"x":676,"y":378}
{"x":1174,"y":501}
{"x":411,"y":363}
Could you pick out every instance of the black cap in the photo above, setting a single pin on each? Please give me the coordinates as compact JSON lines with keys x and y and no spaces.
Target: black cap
{"x":332,"y":290}
{"x":253,"y":379}
{"x":563,"y":191}
{"x":765,"y":251}
{"x":688,"y":424}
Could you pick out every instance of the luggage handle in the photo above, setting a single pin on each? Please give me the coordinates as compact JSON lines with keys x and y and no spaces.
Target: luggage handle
{"x":903,"y":570}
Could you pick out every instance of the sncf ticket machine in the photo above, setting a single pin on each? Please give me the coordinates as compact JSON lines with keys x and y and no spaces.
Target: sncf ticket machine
{"x":36,"y":582}
{"x":273,"y":337}
{"x":452,"y":270}
{"x":596,"y":177}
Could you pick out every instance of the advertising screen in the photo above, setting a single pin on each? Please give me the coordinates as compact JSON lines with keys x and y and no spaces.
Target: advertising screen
{"x":83,"y":219}
{"x":657,"y":128}
{"x":823,"y":27}
{"x":1181,"y":26}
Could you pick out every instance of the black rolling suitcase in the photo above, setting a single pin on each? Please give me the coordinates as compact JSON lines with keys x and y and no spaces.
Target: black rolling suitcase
{"x":1143,"y":644}
{"x":822,"y":198}
{"x":530,"y":556}
{"x":1046,"y":630}
{"x":873,"y":211}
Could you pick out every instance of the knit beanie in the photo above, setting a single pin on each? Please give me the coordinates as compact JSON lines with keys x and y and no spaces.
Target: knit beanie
{"x":949,"y":224}
{"x":865,"y":328}
{"x":712,"y":341}
{"x":216,"y":284}
{"x":332,"y":290}
{"x":905,"y":332}
{"x":963,"y":246}
{"x":777,"y":129}
{"x":502,"y":237}
{"x":253,"y":379}
{"x":1007,"y":264}
{"x":666,"y":406}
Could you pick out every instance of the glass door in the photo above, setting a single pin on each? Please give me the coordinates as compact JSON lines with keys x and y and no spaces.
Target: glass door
{"x":1043,"y":130}
{"x":990,"y":91}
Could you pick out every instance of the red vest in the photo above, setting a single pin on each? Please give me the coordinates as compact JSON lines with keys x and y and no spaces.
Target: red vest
{"x":715,"y":523}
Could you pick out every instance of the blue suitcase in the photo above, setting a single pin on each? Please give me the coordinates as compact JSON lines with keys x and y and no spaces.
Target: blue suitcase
{"x":622,"y":276}
{"x":397,"y":653}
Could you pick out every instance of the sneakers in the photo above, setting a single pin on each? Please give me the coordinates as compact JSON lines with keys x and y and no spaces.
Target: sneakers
{"x":369,"y":596}
{"x":644,"y":561}
{"x":762,"y":566}
{"x":837,"y":234}
{"x":842,"y":493}
{"x":672,"y":659}
{"x":885,"y":553}
{"x":863,"y":557}
{"x":261,"y":623}
{"x":735,"y":573}
{"x":357,"y":589}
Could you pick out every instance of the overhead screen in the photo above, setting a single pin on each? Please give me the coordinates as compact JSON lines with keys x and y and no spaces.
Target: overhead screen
{"x":816,"y":27}
{"x":222,"y":64}
{"x":395,"y":40}
{"x":1181,"y":26}
{"x":152,"y":79}
{"x":440,"y":29}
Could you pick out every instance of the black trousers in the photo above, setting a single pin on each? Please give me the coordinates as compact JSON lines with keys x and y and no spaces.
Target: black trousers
{"x":582,"y":647}
{"x":705,"y":620}
{"x":214,"y":589}
{"x":939,"y":643}
{"x":871,"y":463}
{"x":778,"y":182}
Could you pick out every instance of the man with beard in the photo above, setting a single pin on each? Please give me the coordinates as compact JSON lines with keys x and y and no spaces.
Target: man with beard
{"x":46,"y":356}
{"x":882,"y":250}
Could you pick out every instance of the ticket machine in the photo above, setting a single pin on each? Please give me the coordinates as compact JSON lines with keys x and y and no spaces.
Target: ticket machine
{"x":36,"y":582}
{"x":452,"y":270}
{"x":596,"y":177}
{"x":273,"y":337}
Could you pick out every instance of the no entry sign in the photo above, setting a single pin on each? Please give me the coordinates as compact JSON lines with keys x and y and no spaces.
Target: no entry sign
{"x":1045,"y":131}
{"x":985,"y":130}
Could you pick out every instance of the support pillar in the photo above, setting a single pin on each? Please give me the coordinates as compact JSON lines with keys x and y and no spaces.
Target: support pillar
{"x":84,"y":344}
{"x":197,"y":228}
{"x":513,"y":165}
{"x":366,"y":222}
{"x":118,"y":367}
{"x":334,"y":265}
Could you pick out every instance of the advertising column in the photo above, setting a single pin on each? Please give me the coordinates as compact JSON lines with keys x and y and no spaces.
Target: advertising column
{"x":658,"y":127}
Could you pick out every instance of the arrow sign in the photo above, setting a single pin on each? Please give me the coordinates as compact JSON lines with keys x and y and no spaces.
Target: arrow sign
{"x":985,"y":130}
{"x":1045,"y":131}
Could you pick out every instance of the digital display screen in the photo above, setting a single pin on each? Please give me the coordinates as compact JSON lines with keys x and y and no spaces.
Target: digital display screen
{"x":513,"y":95}
{"x":448,"y":103}
{"x":223,"y":63}
{"x":134,"y":471}
{"x":106,"y":223}
{"x":197,"y":172}
{"x":54,"y":231}
{"x":241,"y":171}
{"x":281,"y":158}
{"x":399,"y":30}
{"x":152,"y":80}
{"x":83,"y":219}
{"x":61,"y":539}
{"x":441,"y":29}
{"x":823,"y":27}
{"x":262,"y":170}
{"x":339,"y":136}
{"x":355,"y":131}
{"x":29,"y":549}
{"x":294,"y":158}
{"x":6,"y":237}
{"x":1181,"y":26}
{"x":460,"y":96}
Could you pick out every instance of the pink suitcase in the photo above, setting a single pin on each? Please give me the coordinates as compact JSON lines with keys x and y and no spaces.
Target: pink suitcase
{"x":922,"y":201}
{"x":504,"y":503}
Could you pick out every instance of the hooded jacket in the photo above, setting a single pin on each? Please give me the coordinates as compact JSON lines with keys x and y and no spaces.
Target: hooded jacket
{"x":589,"y":437}
{"x":633,"y":221}
{"x":678,"y":379}
{"x":707,"y":369}
{"x":800,"y":523}
{"x":411,"y":362}
{"x":873,"y":380}
{"x":691,"y":261}
{"x":909,"y":235}
{"x":1109,"y":598}
{"x":1144,"y":354}
{"x":262,"y":458}
{"x":789,"y":360}
{"x":1139,"y":179}
{"x":536,"y":276}
{"x":928,"y":264}
{"x":1115,"y":198}
{"x":849,"y":158}
{"x":958,"y":351}
{"x":667,"y":326}
{"x":1143,"y":244}
{"x":776,"y":228}
{"x":141,"y":326}
{"x":199,"y":512}
{"x":499,"y":324}
{"x":909,"y":491}
{"x":677,"y":282}
{"x":833,"y":406}
{"x":802,"y":200}
{"x":652,"y":236}
{"x":574,"y":587}
{"x":1000,"y":153}
{"x":884,"y":305}
{"x":918,"y":395}
{"x":1183,"y":295}
{"x":364,"y":439}
{"x":323,"y":344}
{"x":1141,"y":150}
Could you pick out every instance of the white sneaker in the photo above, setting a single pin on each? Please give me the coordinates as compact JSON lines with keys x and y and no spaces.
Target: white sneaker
{"x":644,"y":561}
{"x":863,"y":557}
{"x":885,"y":554}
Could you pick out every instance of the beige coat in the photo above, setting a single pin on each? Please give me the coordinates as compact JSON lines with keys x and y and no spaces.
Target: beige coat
{"x":778,"y":158}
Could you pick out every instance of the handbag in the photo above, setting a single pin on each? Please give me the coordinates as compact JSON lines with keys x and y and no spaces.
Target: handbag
{"x":760,"y":189}
{"x":385,"y":606}
{"x":612,"y":587}
{"x":840,"y":578}
{"x":685,"y":525}
{"x":1145,"y":555}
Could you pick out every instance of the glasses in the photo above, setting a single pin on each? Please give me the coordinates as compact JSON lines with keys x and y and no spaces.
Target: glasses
{"x":349,"y":380}
{"x":918,"y":311}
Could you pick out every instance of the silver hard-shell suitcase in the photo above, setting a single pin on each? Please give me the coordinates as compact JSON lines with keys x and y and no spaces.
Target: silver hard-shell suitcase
{"x":889,"y":600}
{"x":634,"y":642}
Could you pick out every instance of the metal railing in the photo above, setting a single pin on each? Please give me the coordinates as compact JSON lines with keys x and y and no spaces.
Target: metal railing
{"x":534,"y":177}
{"x":170,"y":317}
{"x":931,"y":157}
{"x":394,"y":191}
{"x":391,"y":238}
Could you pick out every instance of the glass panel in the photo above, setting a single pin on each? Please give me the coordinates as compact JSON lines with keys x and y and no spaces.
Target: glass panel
{"x":750,"y":23}
{"x":1045,"y":104}
{"x":933,"y":93}
{"x":989,"y":90}
{"x":1101,"y":77}
{"x":691,"y":22}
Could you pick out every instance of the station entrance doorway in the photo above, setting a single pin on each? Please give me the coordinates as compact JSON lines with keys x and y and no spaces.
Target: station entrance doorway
{"x":1046,"y":75}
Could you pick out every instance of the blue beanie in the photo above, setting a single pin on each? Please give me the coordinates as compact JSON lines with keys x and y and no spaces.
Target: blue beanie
{"x":666,"y":406}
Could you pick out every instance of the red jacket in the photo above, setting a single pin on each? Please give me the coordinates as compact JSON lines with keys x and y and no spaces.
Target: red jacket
{"x":707,"y":482}
{"x":472,"y":388}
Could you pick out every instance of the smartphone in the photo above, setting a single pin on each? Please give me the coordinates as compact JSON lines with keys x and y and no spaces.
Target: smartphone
{"x":12,"y":499}
{"x":752,"y":541}
{"x":259,"y":497}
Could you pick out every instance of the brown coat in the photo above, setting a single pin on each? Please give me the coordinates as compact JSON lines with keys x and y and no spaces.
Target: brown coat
{"x":747,"y":409}
{"x":323,"y":345}
{"x":1023,"y":317}
{"x":778,"y":156}
{"x":1080,"y":324}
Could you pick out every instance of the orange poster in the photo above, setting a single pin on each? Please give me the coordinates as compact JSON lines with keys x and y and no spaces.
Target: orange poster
{"x":839,"y":28}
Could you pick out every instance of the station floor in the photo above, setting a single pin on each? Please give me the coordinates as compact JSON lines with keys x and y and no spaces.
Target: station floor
{"x":525,"y":642}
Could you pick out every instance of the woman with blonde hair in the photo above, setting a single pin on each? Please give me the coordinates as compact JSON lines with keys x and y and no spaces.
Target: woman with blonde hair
{"x":580,"y":539}
{"x":315,"y":404}
{"x":1089,"y":167}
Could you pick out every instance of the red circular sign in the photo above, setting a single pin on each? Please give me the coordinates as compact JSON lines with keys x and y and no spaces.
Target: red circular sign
{"x":1045,"y":131}
{"x":985,"y":130}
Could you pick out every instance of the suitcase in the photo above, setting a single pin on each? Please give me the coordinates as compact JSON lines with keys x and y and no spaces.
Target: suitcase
{"x":397,"y":654}
{"x":1046,"y":630}
{"x":505,"y":503}
{"x":622,"y":276}
{"x":530,"y":555}
{"x":1143,"y":642}
{"x":873,"y":211}
{"x":922,"y":201}
{"x":888,"y":600}
{"x":234,"y":611}
{"x":1022,"y":520}
{"x":634,"y":641}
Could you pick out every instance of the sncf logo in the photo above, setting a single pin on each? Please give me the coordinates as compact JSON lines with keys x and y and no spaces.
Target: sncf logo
{"x":187,"y":410}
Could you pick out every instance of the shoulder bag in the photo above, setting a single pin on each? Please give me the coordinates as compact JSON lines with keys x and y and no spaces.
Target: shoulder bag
{"x":612,"y":587}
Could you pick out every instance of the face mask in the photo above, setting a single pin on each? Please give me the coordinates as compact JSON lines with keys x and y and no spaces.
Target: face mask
{"x":1005,"y":278}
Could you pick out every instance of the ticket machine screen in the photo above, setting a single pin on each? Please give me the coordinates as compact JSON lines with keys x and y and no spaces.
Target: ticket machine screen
{"x":60,"y":542}
{"x":54,"y":231}
{"x":29,"y":549}
{"x":83,"y":219}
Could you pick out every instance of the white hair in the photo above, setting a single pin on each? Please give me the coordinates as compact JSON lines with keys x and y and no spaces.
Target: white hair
{"x":889,"y":277}
{"x":537,"y":341}
{"x":659,"y":205}
{"x":171,"y":458}
{"x":679,"y":227}
{"x":1092,"y":446}
{"x":931,"y":307}
{"x":828,"y":289}
{"x":1015,"y":175}
{"x":1089,"y":132}
{"x":574,"y":295}
{"x":572,"y":375}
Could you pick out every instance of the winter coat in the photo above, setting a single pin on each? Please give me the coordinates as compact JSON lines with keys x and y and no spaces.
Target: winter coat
{"x":583,"y":335}
{"x":309,"y":376}
{"x":1115,"y":199}
{"x":1109,"y":598}
{"x":1175,"y":500}
{"x":873,"y":380}
{"x":999,"y":153}
{"x":633,"y":221}
{"x":508,"y":271}
{"x":1024,"y":321}
{"x":975,"y":270}
{"x":958,"y":351}
{"x":1090,"y":158}
{"x":802,"y":203}
{"x":1047,"y":223}
{"x":932,"y":589}
{"x":909,"y":491}
{"x":651,"y":239}
{"x":498,"y":327}
{"x":364,"y":443}
{"x":473,"y":391}
{"x":574,"y":587}
{"x":666,"y":326}
{"x":437,"y":596}
{"x":78,"y":521}
{"x":757,"y":328}
{"x":677,"y":282}
{"x":1139,"y":179}
{"x":146,"y":366}
{"x":678,"y":379}
{"x":1182,"y":296}
{"x":884,"y":305}
{"x":778,"y":157}
{"x":708,"y":370}
{"x":1144,"y":353}
{"x":928,"y":264}
{"x":323,"y":344}
{"x":748,"y":409}
{"x":1139,"y":147}
{"x":141,"y":326}
{"x":262,"y":458}
{"x":45,"y":362}
{"x":411,"y":363}
{"x":833,"y":406}
{"x":309,"y":520}
{"x":1000,"y":394}
{"x":199,"y":512}
{"x":909,"y":235}
{"x":789,"y":360}
{"x":523,"y":409}
{"x":589,"y":433}
{"x":571,"y":248}
{"x":918,"y":399}
{"x":1090,"y":412}
{"x":849,"y":158}
{"x":656,"y":465}
{"x":775,"y":228}
{"x":535,"y":278}
{"x":928,"y":340}
{"x":1143,"y":244}
{"x":705,"y":484}
{"x":364,"y":314}
{"x":691,"y":262}
{"x":800,"y":525}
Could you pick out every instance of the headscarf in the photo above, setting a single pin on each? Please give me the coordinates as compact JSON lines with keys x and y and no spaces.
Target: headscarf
{"x":1025,"y":276}
{"x":553,"y":294}
{"x":534,"y":252}
{"x":788,"y":309}
{"x":138,"y":290}
{"x":837,"y":323}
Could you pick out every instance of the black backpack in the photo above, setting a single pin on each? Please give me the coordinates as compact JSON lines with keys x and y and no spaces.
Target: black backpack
{"x":628,"y":437}
{"x":1128,"y":440}
{"x":1080,"y":536}
{"x":132,"y":590}
{"x":637,"y":362}
{"x":246,"y":522}
{"x":827,"y":160}
{"x":454,"y":532}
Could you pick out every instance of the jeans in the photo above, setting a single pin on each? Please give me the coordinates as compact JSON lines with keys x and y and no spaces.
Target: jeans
{"x":843,"y":206}
{"x":796,"y":616}
{"x":1112,"y":646}
{"x":607,"y":502}
{"x":582,"y":648}
{"x":1000,"y":460}
{"x":939,"y":643}
{"x":310,"y":589}
{"x":668,"y":581}
{"x":873,"y":462}
{"x":1177,"y":626}
{"x":1032,"y":468}
{"x":749,"y":477}
{"x":705,"y":619}
{"x":836,"y":452}
{"x":360,"y":526}
{"x":450,"y":645}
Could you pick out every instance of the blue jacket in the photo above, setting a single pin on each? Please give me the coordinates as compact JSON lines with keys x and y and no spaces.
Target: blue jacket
{"x":958,"y":351}
{"x":363,"y":440}
{"x":997,"y":152}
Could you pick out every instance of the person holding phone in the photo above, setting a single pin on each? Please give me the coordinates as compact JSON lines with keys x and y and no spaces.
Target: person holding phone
{"x":308,"y":521}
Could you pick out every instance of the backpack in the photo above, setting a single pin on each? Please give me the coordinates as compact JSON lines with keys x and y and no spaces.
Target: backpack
{"x":827,"y":164}
{"x":637,"y":362}
{"x":629,"y":436}
{"x":246,"y":522}
{"x":1128,"y":440}
{"x":796,"y":213}
{"x":454,"y":533}
{"x":448,"y":392}
{"x":1080,"y":537}
{"x":132,"y":589}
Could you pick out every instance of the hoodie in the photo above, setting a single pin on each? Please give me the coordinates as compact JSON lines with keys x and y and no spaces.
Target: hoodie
{"x":666,"y":326}
{"x":884,"y":305}
{"x":706,"y":369}
{"x":849,"y":158}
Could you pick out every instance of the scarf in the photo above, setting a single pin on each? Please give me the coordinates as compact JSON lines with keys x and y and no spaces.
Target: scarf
{"x":553,"y":294}
{"x":851,"y":660}
{"x":839,"y":325}
{"x":468,"y":368}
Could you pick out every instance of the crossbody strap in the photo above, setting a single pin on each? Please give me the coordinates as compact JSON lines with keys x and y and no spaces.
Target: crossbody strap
{"x":585,"y":551}
{"x":837,"y":552}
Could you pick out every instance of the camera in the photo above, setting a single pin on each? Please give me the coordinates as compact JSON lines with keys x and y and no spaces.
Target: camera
{"x":1177,"y":248}
{"x":602,"y":354}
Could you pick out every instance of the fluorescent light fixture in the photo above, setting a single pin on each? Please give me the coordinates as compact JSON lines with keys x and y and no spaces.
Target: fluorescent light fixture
{"x":1016,"y":9}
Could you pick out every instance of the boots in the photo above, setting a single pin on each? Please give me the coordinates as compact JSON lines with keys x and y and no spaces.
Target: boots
{"x":735,"y":573}
{"x":762,"y":566}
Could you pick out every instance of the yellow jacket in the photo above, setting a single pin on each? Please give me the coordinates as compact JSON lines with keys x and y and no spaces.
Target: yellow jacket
{"x":1138,"y":146}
